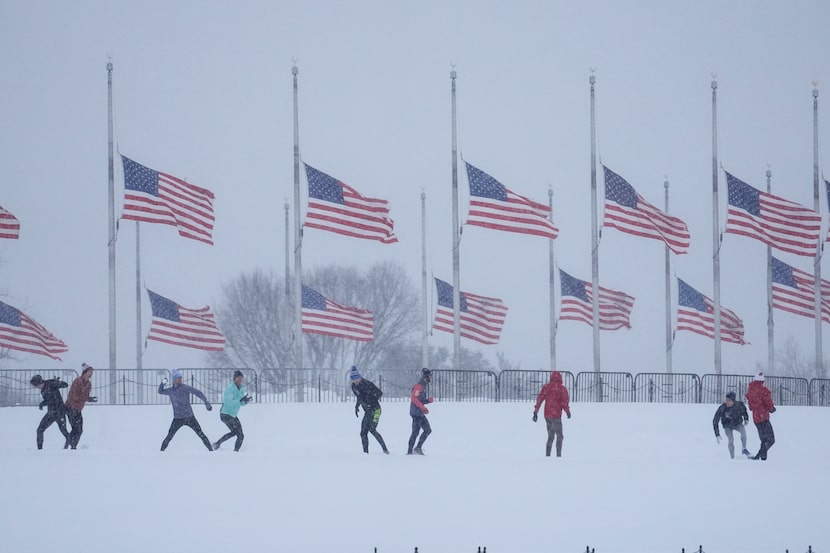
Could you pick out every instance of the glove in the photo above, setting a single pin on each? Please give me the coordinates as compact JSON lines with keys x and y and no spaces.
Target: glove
{"x":40,"y":407}
{"x":432,"y":399}
{"x":246,"y":399}
{"x":717,"y":437}
{"x":569,"y":415}
{"x":208,"y":406}
{"x":426,"y":411}
{"x":356,"y":411}
{"x":535,"y":416}
{"x":93,"y":399}
{"x":772,"y":410}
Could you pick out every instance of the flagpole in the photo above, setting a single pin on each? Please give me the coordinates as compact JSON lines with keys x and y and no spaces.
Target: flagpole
{"x":669,"y":341}
{"x":298,"y":239}
{"x":424,"y":301}
{"x":716,"y":231}
{"x":287,"y":253}
{"x":138,"y":329}
{"x":111,"y":242}
{"x":770,"y":316}
{"x":456,"y":240}
{"x":552,"y":285}
{"x":820,"y":372}
{"x":594,"y":236}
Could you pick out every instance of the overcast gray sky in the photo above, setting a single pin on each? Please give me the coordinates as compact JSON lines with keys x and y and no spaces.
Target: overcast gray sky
{"x":203,"y":91}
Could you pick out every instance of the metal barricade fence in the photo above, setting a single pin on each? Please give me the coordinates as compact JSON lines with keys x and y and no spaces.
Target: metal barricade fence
{"x":666,"y":388}
{"x":452,"y":385}
{"x":300,"y":385}
{"x":604,"y":387}
{"x":212,"y":382}
{"x":789,"y":391}
{"x":396,"y":384}
{"x":128,"y":386}
{"x":518,"y":385}
{"x":714,"y":387}
{"x":820,"y":392}
{"x":16,"y":388}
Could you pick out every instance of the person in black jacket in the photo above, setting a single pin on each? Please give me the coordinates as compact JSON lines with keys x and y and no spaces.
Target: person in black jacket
{"x":368,"y":397}
{"x":733,"y":416}
{"x":50,"y":390}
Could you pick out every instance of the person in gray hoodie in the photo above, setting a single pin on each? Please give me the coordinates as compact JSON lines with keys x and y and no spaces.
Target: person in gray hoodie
{"x":182,"y":411}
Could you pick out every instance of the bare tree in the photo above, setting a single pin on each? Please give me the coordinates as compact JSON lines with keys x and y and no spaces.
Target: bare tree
{"x":255,"y":316}
{"x":791,"y":361}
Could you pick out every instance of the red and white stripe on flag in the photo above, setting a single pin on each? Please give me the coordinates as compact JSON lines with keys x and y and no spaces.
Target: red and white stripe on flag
{"x":339,"y":321}
{"x":614,"y":308}
{"x":482,"y":322}
{"x":20,"y":332}
{"x":9,"y":225}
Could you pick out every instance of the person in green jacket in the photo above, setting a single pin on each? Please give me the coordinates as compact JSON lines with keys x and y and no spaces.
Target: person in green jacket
{"x":233,"y":398}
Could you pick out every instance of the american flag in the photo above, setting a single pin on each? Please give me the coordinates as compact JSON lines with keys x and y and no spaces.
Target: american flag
{"x":627,"y":211}
{"x":337,"y":207}
{"x":793,"y":290}
{"x":494,"y":206}
{"x":179,"y":326}
{"x":827,"y":185}
{"x":21,"y":333}
{"x":9,"y":225}
{"x":155,"y":197}
{"x":481,"y":318}
{"x":577,"y":304}
{"x":320,"y":315}
{"x":696,"y":313}
{"x":776,"y":222}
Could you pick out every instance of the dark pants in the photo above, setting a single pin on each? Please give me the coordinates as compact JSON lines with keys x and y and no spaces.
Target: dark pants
{"x":53,"y":415}
{"x":76,"y":420}
{"x":370,"y":426}
{"x":235,"y":427}
{"x":767,"y":437}
{"x":419,"y":423}
{"x":192,"y":423}
{"x":554,"y":431}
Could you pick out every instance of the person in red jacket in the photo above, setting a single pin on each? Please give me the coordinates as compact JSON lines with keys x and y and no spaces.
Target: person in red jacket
{"x":76,"y":399}
{"x":760,"y":403}
{"x":556,"y":399}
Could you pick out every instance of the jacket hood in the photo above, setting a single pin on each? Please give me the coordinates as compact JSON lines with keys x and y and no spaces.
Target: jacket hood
{"x":556,"y":377}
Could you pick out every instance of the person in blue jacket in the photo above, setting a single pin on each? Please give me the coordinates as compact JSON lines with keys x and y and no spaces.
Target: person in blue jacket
{"x":182,"y":411}
{"x":233,"y":398}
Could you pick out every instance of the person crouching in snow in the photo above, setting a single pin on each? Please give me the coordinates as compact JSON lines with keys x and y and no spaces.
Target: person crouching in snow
{"x":418,"y":411}
{"x":368,"y":396}
{"x":182,"y":411}
{"x":50,"y":391}
{"x":77,"y":397}
{"x":233,"y":398}
{"x":733,"y":416}
{"x":760,"y":403}
{"x":556,"y":399}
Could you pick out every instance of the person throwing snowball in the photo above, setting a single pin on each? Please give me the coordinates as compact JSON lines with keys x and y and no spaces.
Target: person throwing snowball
{"x":182,"y":411}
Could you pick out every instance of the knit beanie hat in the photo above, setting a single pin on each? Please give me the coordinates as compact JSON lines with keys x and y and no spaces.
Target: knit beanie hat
{"x":176,"y":374}
{"x":353,"y":374}
{"x":759,"y":377}
{"x":237,"y":374}
{"x":36,"y":379}
{"x":730,"y":395}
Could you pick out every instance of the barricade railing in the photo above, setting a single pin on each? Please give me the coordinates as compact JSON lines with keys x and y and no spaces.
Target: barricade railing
{"x":666,"y":388}
{"x":128,"y":386}
{"x":820,"y":392}
{"x":16,"y":388}
{"x":789,"y":391}
{"x":519,"y":385}
{"x":139,"y":387}
{"x":452,"y":385}
{"x":300,"y":385}
{"x":602,"y":387}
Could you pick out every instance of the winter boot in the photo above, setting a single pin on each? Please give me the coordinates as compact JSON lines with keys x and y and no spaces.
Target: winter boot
{"x":418,"y":451}
{"x":216,"y":446}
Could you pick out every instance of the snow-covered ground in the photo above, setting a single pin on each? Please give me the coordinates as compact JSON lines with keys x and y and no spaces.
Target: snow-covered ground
{"x":634,"y":478}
